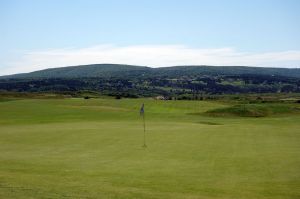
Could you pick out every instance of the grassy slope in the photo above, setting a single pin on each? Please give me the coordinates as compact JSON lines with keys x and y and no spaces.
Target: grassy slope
{"x":92,"y":149}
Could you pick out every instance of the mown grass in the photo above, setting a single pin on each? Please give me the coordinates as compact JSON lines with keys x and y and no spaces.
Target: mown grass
{"x":75,"y":148}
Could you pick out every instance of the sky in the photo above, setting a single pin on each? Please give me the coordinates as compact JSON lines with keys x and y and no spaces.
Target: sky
{"x":35,"y":34}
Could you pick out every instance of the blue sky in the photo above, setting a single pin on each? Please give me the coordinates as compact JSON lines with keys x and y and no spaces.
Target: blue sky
{"x":40,"y":34}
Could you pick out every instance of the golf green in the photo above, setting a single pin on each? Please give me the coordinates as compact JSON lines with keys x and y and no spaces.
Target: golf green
{"x":76,"y":148}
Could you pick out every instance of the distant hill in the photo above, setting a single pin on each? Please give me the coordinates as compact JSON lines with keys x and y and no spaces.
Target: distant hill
{"x":228,"y":70}
{"x":93,"y":70}
{"x":117,"y":70}
{"x":180,"y":82}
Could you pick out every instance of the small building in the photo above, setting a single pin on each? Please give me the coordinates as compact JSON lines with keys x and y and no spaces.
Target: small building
{"x":160,"y":97}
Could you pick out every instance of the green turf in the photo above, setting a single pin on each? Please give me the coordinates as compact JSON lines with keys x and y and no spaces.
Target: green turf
{"x":75,"y":148}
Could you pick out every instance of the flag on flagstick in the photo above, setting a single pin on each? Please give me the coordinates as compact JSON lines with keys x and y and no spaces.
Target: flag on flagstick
{"x":142,"y":110}
{"x":142,"y":113}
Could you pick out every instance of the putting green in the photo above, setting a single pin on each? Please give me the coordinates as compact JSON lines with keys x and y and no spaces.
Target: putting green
{"x":75,"y":148}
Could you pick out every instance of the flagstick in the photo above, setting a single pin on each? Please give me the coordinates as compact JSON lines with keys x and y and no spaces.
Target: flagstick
{"x":144,"y":131}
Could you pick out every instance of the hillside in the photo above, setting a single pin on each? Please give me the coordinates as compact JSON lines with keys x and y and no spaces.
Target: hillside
{"x":227,"y":70}
{"x":181,"y":82}
{"x":93,"y":70}
{"x":116,"y":70}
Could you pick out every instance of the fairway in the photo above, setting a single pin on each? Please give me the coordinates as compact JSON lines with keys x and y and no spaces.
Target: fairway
{"x":76,"y":148}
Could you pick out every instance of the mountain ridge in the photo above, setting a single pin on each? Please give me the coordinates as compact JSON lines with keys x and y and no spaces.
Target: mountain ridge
{"x":180,"y":82}
{"x":116,"y":70}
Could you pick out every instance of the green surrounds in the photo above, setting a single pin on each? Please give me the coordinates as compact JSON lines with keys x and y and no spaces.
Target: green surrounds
{"x":76,"y":148}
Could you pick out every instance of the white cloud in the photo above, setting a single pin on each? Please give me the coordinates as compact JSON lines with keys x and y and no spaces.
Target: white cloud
{"x":149,"y":55}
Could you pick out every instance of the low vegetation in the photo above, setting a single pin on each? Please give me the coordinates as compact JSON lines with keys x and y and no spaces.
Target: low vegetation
{"x":255,"y":110}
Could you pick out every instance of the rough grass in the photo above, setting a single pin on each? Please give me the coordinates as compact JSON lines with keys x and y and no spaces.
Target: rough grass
{"x":75,"y":148}
{"x":255,"y":110}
